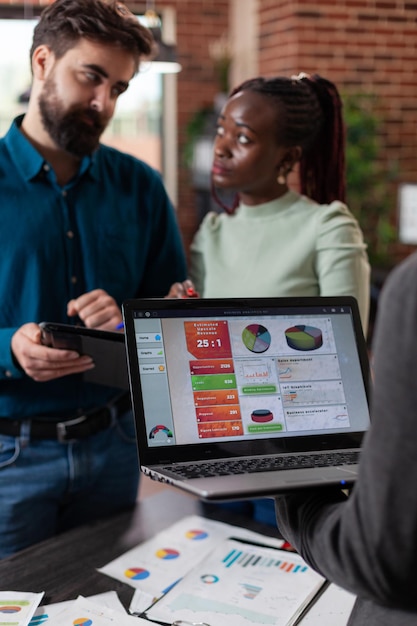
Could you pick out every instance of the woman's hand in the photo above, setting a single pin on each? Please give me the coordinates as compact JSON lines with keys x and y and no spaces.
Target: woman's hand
{"x":183,"y":290}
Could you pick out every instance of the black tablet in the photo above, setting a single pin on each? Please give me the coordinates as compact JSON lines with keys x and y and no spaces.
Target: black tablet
{"x":107,"y":349}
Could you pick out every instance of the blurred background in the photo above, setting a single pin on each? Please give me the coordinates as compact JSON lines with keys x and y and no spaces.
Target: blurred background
{"x":168,"y":116}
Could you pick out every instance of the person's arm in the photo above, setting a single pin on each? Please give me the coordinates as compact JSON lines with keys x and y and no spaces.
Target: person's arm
{"x":341,"y":260}
{"x":9,"y":367}
{"x":21,"y":351}
{"x":368,"y":544}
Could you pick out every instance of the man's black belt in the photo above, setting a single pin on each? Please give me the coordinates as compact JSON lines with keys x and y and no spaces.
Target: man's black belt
{"x":69,"y":428}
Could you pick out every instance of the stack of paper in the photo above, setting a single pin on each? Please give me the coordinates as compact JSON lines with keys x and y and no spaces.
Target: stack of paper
{"x":198,"y":570}
{"x":154,"y":566}
{"x":104,"y":609}
{"x":241,"y":584}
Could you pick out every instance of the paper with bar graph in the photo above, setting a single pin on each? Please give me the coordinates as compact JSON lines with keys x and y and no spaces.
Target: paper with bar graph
{"x":240,"y":584}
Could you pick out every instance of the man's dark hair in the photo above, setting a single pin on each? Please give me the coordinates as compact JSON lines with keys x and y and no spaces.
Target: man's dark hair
{"x":64,"y":22}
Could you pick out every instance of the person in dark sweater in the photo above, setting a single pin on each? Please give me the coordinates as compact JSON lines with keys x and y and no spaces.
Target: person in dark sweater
{"x":367,"y":542}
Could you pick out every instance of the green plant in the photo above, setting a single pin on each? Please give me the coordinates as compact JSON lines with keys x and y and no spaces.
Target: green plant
{"x":369,"y":193}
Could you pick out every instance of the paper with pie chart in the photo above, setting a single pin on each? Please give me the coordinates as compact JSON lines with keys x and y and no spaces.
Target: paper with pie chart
{"x":157,"y":564}
{"x":18,"y":607}
{"x":46,"y":613}
{"x":85,"y":612}
{"x":242,"y":585}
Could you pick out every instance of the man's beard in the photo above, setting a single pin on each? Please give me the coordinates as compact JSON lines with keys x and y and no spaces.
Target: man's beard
{"x":68,"y":128}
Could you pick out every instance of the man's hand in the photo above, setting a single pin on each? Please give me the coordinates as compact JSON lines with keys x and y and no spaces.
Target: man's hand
{"x":42,"y":363}
{"x":96,"y":309}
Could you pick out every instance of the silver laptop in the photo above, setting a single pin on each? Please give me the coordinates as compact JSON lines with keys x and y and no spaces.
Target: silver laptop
{"x":245,"y":398}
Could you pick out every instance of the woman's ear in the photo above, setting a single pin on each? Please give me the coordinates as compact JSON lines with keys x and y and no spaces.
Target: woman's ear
{"x":292,"y":157}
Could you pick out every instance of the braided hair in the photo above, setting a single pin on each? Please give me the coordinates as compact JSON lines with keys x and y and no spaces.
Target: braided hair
{"x":309,"y":110}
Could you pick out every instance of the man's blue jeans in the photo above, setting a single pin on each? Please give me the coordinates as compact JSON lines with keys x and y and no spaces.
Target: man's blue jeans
{"x":47,"y":487}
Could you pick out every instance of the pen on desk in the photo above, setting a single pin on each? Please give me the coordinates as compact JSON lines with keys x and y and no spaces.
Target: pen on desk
{"x":120,"y":326}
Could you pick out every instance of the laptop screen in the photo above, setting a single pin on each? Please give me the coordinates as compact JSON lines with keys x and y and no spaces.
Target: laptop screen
{"x":210,"y":372}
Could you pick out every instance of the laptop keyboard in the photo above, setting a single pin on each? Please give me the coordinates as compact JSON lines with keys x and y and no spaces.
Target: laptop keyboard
{"x":263,"y":464}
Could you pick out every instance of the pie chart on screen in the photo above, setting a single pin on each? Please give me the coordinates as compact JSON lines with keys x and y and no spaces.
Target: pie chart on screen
{"x":303,"y":337}
{"x":256,"y":338}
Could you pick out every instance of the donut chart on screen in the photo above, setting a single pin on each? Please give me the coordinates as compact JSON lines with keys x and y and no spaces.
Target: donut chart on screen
{"x":303,"y":337}
{"x":256,"y":338}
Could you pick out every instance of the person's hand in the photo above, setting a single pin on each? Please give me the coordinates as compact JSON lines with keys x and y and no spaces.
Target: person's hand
{"x":183,"y":290}
{"x":42,"y":363}
{"x":96,"y":309}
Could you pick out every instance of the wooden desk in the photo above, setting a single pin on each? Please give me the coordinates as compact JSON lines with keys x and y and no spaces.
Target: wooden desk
{"x":65,"y":566}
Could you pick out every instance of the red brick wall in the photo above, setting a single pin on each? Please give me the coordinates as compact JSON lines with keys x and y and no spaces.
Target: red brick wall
{"x":363,"y":46}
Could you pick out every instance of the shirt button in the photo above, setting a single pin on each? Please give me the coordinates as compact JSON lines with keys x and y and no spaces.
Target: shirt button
{"x":73,"y":280}
{"x":8,"y":374}
{"x":70,"y":234}
{"x":64,"y":193}
{"x":46,"y":167}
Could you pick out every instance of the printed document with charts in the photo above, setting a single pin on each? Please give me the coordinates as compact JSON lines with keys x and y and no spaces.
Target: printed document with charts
{"x":242,"y":584}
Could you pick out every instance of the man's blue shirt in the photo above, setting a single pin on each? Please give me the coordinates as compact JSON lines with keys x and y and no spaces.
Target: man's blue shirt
{"x":112,"y":227}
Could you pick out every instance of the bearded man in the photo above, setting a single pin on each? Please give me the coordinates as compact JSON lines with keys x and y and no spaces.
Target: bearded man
{"x":84,"y":227}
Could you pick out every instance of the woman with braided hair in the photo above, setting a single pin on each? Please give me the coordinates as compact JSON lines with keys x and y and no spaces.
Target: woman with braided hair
{"x":274,"y":241}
